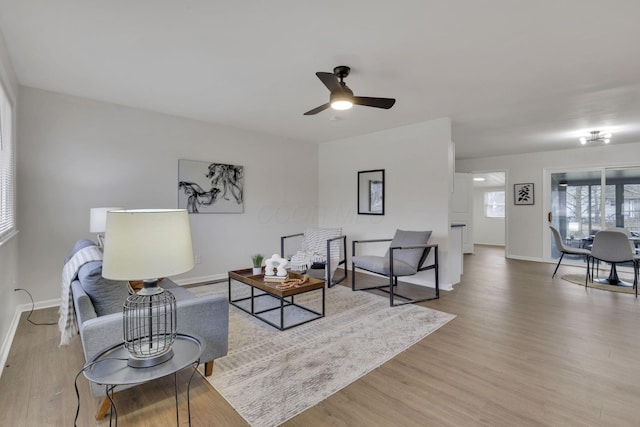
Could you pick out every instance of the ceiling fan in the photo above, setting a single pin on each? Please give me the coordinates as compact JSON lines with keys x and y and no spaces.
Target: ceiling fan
{"x":341,"y":97}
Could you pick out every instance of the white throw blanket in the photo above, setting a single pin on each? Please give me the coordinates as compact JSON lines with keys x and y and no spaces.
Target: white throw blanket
{"x":314,"y":249}
{"x":67,"y":321}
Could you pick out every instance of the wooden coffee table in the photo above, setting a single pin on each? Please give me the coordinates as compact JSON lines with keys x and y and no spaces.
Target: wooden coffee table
{"x":274,"y":306}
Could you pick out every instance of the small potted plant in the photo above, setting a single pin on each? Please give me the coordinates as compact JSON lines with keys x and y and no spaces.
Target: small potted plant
{"x":257,"y":263}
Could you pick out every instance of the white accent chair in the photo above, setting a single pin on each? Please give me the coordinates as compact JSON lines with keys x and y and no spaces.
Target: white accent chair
{"x":321,"y":252}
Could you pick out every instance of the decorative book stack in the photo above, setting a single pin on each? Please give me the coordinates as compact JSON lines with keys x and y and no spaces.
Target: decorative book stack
{"x":275,"y":278}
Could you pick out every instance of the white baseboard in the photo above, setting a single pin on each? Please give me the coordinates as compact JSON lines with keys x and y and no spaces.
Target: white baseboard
{"x":8,"y":339}
{"x":525,"y":258}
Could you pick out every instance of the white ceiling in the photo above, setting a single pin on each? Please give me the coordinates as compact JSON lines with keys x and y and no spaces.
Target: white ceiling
{"x":491,"y":179}
{"x":513,"y":76}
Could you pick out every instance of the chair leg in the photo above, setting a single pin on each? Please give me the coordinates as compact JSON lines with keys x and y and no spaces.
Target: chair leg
{"x":331,"y":282}
{"x":391,"y":285}
{"x":104,"y":407}
{"x":208,"y":368}
{"x":353,"y":277}
{"x":635,"y":277}
{"x":558,"y":265}
{"x":586,"y":278}
{"x":588,"y":273}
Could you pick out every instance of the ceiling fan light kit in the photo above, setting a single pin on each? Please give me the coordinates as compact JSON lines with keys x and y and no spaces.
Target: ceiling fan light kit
{"x":595,"y":136}
{"x":341,"y":97}
{"x":341,"y":102}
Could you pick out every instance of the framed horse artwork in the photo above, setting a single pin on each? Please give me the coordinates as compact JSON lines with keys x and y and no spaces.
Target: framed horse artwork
{"x":209,"y":187}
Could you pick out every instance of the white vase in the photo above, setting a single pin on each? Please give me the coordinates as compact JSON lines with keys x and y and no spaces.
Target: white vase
{"x":257,"y":270}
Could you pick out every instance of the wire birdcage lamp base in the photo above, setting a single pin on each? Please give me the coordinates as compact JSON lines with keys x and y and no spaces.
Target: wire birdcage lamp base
{"x":150,"y":325}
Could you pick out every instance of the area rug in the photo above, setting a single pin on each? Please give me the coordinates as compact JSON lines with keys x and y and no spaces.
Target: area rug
{"x":578,"y":279}
{"x":270,"y":376}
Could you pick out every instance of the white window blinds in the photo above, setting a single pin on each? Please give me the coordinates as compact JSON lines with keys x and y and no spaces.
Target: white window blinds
{"x":7,"y":168}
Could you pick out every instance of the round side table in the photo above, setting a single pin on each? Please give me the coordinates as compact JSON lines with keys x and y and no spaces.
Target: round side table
{"x":109,"y":367}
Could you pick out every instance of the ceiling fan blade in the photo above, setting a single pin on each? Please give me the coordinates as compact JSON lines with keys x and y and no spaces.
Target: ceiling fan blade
{"x":330,"y":80}
{"x":318,"y":109}
{"x":385,"y":103}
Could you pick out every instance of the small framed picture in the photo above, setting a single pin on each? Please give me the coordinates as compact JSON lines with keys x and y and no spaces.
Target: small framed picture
{"x":523,"y":194}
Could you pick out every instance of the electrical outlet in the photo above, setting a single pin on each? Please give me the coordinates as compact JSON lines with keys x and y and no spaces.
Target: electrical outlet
{"x":197,"y":259}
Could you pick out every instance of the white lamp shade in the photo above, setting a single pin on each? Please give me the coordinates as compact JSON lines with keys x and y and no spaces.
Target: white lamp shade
{"x":98,"y":219}
{"x":147,"y":244}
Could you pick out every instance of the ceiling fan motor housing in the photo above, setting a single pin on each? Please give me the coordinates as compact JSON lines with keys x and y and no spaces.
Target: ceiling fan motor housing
{"x":341,"y":71}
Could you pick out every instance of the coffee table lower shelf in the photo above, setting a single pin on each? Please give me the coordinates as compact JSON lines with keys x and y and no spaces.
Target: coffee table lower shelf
{"x":275,"y":307}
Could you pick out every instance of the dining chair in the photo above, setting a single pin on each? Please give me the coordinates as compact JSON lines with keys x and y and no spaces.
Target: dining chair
{"x":564,"y":249}
{"x":627,"y":233}
{"x":613,"y":246}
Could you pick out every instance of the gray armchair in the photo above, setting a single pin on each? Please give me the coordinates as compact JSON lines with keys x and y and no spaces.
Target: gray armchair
{"x":406,"y":256}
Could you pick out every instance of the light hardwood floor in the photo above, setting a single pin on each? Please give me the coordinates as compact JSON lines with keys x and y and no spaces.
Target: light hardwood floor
{"x":524,"y":350}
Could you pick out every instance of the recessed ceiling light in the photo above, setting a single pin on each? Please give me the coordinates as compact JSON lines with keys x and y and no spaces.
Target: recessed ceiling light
{"x":478,"y":179}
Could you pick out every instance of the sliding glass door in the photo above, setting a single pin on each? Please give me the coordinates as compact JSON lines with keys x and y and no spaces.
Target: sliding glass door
{"x":580,"y":207}
{"x":622,"y":199}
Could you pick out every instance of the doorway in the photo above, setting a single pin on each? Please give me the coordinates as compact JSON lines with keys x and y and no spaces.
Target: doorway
{"x":489,"y":208}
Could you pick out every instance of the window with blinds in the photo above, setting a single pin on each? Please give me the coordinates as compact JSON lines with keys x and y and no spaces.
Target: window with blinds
{"x":7,"y":168}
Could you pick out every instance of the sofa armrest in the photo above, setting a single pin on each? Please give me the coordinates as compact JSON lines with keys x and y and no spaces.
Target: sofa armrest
{"x":98,"y":334}
{"x":208,"y":318}
{"x":82,"y":303}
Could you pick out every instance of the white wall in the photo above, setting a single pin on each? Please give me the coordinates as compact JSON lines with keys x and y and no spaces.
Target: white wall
{"x":416,"y":185}
{"x":486,"y":231}
{"x":76,"y":154}
{"x":10,"y":299}
{"x":527,"y":234}
{"x":462,"y":208}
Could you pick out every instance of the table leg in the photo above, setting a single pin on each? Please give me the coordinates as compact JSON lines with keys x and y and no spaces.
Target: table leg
{"x":113,"y":413}
{"x":175,"y":389}
{"x":195,"y":368}
{"x":613,"y":275}
{"x":281,"y":314}
{"x":253,"y":310}
{"x":613,"y":278}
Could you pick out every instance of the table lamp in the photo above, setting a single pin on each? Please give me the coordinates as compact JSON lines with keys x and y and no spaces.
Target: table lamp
{"x":144,"y":245}
{"x":98,"y":222}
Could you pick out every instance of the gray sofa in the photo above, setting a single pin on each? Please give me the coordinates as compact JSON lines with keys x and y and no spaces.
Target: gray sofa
{"x":101,"y":326}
